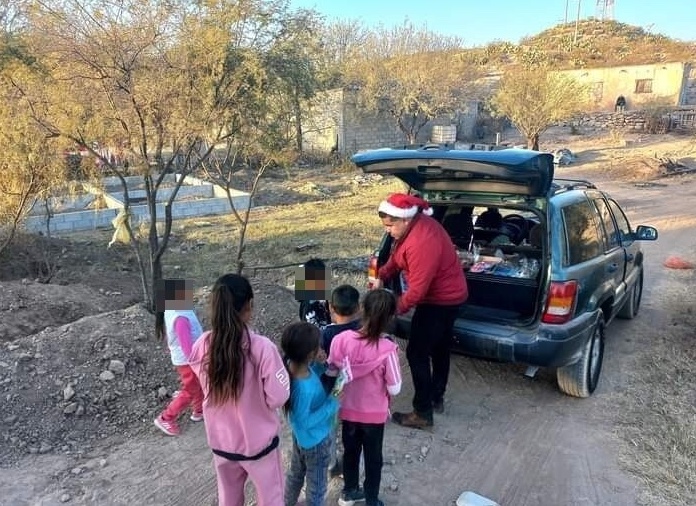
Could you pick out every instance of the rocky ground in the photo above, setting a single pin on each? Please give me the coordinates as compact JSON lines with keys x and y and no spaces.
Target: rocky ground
{"x":82,"y":377}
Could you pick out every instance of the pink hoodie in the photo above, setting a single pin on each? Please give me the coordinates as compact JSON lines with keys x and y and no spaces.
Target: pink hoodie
{"x":248,"y":425}
{"x":373,"y":374}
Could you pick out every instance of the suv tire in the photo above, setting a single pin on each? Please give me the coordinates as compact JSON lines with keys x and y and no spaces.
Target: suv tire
{"x":632,"y":304}
{"x":580,"y":379}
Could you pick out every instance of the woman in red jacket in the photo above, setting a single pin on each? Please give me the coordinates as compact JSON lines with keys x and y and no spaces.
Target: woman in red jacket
{"x":424,"y":256}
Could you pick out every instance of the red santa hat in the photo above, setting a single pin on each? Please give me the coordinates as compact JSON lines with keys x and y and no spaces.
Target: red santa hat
{"x":400,"y":205}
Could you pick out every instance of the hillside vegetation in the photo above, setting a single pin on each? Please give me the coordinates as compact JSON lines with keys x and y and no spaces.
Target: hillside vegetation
{"x":598,"y":44}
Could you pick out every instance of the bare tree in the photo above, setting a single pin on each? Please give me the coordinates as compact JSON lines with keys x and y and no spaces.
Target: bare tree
{"x":223,"y":170}
{"x":414,"y":75}
{"x":158,"y":80}
{"x":534,"y":99}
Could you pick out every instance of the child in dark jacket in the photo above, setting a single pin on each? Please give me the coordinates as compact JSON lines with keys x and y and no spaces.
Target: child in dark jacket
{"x":345,"y":315}
{"x":310,"y":287}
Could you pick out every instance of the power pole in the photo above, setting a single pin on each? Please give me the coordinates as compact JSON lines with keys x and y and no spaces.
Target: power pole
{"x":577,"y":22}
{"x":565,"y":20}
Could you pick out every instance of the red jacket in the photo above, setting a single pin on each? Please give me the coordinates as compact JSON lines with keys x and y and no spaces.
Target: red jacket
{"x":429,"y":261}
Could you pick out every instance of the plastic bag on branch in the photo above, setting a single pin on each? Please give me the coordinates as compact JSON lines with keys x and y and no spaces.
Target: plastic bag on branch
{"x":120,"y":223}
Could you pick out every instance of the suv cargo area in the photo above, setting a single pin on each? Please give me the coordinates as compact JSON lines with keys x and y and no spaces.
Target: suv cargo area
{"x":503,"y":253}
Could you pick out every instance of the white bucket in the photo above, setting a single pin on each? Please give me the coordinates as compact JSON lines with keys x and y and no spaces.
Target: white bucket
{"x":473,"y":499}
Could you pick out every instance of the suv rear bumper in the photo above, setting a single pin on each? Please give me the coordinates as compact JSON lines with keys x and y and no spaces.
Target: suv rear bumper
{"x":542,"y":345}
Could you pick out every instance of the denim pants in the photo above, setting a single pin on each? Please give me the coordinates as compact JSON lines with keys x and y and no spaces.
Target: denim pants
{"x":429,"y":343}
{"x":313,"y":465}
{"x":365,"y":438}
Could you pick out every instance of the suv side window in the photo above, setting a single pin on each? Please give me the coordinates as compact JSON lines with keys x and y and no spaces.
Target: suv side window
{"x":582,"y":236}
{"x":610,"y":233}
{"x":621,"y":221}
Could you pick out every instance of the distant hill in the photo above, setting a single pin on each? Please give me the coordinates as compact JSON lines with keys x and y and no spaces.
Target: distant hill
{"x":599,"y":44}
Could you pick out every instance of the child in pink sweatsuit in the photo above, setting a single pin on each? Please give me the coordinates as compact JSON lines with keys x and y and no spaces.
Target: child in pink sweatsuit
{"x":369,"y":361}
{"x":245,"y":382}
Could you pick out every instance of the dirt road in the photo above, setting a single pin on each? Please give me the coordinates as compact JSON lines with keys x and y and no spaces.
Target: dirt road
{"x":516,"y":440}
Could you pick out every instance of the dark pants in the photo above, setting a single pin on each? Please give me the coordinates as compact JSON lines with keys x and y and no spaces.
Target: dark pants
{"x":367,"y":438}
{"x":430,"y":339}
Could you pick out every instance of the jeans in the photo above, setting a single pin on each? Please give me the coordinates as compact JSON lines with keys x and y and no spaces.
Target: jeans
{"x":312,"y":464}
{"x":431,"y":332}
{"x":362,"y":438}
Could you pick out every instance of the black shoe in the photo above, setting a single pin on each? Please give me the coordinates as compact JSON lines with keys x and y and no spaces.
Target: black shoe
{"x":350,"y":497}
{"x":375,"y":503}
{"x":439,"y":406}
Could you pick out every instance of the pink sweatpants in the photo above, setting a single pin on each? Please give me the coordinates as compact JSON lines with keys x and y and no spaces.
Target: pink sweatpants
{"x":266,"y":474}
{"x":190,"y":394}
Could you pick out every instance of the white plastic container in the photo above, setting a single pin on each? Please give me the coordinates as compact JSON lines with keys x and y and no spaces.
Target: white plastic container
{"x":444,"y":134}
{"x":473,"y":499}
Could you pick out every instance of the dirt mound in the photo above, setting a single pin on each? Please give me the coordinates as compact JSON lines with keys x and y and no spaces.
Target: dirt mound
{"x":27,"y":307}
{"x":101,"y":376}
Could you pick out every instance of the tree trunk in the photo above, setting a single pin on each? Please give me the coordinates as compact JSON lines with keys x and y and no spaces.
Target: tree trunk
{"x":297,"y":109}
{"x":533,"y":142}
{"x":155,"y":277}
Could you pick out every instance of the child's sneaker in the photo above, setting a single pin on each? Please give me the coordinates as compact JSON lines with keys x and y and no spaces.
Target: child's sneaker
{"x":169,"y":428}
{"x":349,"y":498}
{"x":196,"y":416}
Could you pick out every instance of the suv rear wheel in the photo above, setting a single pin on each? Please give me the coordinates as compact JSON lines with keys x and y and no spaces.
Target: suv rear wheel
{"x":580,"y":379}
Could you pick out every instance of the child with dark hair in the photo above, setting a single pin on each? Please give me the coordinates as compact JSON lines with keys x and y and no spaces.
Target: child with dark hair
{"x":176,"y":322}
{"x":245,"y":383}
{"x":369,"y":362}
{"x":310,"y":290}
{"x":344,"y":306}
{"x":311,"y":413}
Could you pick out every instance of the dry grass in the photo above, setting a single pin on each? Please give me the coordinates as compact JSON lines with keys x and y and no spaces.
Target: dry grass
{"x":336,"y":227}
{"x":658,"y":410}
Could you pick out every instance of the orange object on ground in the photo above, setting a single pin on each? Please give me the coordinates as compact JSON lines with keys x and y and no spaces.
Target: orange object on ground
{"x":675,"y":262}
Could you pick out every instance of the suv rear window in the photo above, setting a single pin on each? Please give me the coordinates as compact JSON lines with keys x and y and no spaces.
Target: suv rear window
{"x":582,"y":236}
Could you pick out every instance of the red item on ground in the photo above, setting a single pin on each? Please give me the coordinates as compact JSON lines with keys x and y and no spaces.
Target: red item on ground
{"x":675,"y":262}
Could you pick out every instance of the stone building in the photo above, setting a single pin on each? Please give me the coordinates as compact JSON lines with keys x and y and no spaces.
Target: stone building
{"x":668,"y":84}
{"x":335,"y":122}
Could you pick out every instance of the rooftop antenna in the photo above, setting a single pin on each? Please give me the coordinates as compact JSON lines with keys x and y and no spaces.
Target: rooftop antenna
{"x":605,"y":10}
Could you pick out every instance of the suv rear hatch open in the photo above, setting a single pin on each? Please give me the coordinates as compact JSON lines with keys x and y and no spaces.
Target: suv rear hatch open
{"x":506,"y":261}
{"x":430,"y":168}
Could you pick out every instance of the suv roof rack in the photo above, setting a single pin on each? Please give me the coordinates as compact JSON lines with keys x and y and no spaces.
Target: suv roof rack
{"x":560,"y":185}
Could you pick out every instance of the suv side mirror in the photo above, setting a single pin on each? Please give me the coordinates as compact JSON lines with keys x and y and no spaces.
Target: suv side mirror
{"x":645,"y":233}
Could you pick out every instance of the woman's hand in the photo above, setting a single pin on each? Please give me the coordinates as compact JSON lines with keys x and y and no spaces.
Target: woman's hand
{"x":377,"y":284}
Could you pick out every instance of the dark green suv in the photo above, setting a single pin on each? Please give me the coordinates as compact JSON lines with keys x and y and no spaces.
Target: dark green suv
{"x":549,"y":262}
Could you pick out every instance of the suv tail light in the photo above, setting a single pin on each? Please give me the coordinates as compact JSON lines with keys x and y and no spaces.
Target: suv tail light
{"x":560,"y":303}
{"x":372,"y":271}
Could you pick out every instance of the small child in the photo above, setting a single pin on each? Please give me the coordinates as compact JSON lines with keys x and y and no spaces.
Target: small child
{"x":177,"y":322}
{"x":313,"y":308}
{"x":311,"y":413}
{"x":370,"y":362}
{"x":345,"y":315}
{"x":245,"y":383}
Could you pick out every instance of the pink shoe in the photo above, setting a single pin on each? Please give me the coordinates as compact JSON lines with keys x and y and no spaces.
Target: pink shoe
{"x":197,"y":416}
{"x":169,"y":428}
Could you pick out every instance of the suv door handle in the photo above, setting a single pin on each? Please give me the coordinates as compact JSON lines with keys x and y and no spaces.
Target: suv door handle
{"x":612,"y":267}
{"x":630,"y":257}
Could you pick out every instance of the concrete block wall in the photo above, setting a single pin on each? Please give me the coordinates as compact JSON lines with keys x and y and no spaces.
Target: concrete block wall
{"x":213,"y":201}
{"x":72,"y":222}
